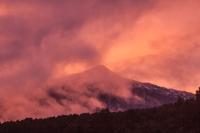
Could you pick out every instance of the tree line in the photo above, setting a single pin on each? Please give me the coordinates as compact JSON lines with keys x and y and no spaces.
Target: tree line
{"x":180,"y":117}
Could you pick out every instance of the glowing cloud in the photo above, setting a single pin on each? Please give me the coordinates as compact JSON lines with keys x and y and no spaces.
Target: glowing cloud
{"x":147,"y":40}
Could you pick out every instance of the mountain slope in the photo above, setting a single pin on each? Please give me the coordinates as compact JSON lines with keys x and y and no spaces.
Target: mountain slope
{"x":99,"y":87}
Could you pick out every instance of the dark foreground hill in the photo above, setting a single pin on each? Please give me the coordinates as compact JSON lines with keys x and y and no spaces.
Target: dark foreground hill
{"x":180,"y":117}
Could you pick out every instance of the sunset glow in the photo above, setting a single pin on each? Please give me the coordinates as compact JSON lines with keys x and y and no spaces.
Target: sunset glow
{"x":41,"y":41}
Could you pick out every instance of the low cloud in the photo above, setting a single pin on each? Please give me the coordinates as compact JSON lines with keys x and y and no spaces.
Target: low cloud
{"x":41,"y":41}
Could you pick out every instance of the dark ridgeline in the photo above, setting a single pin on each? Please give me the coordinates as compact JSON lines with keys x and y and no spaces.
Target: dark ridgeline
{"x":180,"y":117}
{"x":198,"y":95}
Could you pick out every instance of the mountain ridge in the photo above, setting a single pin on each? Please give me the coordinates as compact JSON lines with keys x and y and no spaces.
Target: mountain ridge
{"x":88,"y":91}
{"x":107,"y":89}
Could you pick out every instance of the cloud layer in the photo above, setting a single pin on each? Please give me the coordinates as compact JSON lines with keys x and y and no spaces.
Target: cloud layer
{"x":147,"y":40}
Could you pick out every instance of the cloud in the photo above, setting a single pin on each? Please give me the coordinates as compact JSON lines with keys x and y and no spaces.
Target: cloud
{"x":147,"y":40}
{"x":59,"y":97}
{"x":36,"y":38}
{"x":162,"y":47}
{"x":174,"y":64}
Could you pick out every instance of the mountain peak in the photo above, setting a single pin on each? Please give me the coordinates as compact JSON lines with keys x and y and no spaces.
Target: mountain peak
{"x":98,"y":74}
{"x":100,"y":69}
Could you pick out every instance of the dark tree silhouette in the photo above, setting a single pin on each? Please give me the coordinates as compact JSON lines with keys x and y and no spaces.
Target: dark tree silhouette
{"x":198,"y":95}
{"x":180,"y":117}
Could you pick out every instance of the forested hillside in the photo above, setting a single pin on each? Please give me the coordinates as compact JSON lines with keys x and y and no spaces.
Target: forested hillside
{"x":181,"y":117}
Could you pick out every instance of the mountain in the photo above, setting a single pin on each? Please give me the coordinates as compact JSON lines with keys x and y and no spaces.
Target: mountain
{"x":99,"y":87}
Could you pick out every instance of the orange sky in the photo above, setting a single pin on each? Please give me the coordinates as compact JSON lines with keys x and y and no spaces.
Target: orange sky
{"x":147,"y":40}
